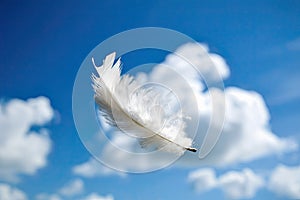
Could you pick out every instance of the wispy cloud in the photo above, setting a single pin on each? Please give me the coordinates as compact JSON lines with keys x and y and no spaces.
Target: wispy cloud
{"x":293,"y":45}
{"x":286,"y":90}
{"x":286,"y":48}
{"x":281,"y":85}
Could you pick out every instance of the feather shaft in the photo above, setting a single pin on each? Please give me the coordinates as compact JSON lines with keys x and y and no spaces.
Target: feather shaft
{"x":109,"y":88}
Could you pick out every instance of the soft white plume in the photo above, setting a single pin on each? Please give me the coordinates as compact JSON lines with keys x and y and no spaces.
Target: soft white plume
{"x":138,"y":111}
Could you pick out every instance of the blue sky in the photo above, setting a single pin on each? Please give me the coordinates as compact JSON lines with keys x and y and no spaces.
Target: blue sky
{"x":42,"y":45}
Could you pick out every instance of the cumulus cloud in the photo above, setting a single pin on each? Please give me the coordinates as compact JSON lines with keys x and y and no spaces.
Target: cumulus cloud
{"x":203,"y":179}
{"x":285,"y":181}
{"x":212,"y":67}
{"x":245,"y":135}
{"x":239,"y":116}
{"x":74,"y":187}
{"x":244,"y":184}
{"x":24,"y":150}
{"x":234,"y":184}
{"x":95,"y":196}
{"x":233,"y":123}
{"x":93,"y":168}
{"x":8,"y":193}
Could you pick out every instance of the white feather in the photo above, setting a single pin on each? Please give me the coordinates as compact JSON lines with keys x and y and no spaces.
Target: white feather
{"x":137,"y":112}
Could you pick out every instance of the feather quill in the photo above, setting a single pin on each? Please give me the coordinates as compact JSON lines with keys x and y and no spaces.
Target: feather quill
{"x":137,"y":112}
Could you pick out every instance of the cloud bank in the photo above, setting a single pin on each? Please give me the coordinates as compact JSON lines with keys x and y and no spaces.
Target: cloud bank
{"x":246,"y":135}
{"x":234,"y":121}
{"x":283,"y":180}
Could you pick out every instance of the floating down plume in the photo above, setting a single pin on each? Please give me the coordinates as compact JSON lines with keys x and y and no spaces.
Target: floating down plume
{"x":137,"y":111}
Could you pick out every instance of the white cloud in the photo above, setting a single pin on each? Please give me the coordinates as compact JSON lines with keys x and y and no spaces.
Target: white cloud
{"x":74,"y":187}
{"x":246,"y":119}
{"x":73,"y":190}
{"x":241,"y":116}
{"x":44,"y":196}
{"x":125,"y":160}
{"x":212,"y":67}
{"x":246,"y":116}
{"x":22,"y":150}
{"x":235,"y":185}
{"x":95,"y":196}
{"x":93,"y":168}
{"x":285,"y":181}
{"x":244,"y":184}
{"x":9,"y":193}
{"x":203,"y":179}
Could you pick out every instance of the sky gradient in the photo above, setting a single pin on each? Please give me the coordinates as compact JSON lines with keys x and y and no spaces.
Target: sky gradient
{"x":42,"y":45}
